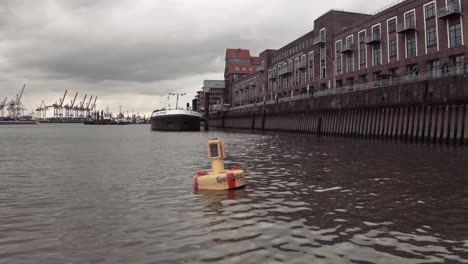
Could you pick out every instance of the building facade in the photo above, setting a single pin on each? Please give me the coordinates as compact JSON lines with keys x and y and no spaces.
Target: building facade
{"x":239,"y":63}
{"x":412,"y":40}
{"x":216,"y":90}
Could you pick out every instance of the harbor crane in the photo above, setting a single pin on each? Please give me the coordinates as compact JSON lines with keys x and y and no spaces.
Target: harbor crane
{"x":2,"y":107}
{"x":94,"y":103}
{"x":69,"y":108}
{"x":92,"y":107}
{"x":87,"y":106}
{"x":58,"y":106}
{"x":79,"y":110}
{"x":42,"y":110}
{"x":15,"y":107}
{"x":76,"y":108}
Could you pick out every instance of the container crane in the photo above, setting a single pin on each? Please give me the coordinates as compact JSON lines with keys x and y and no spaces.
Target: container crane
{"x":15,"y":108}
{"x":61,"y":103}
{"x":69,"y":108}
{"x":58,"y":106}
{"x":2,"y":107}
{"x":87,"y":106}
{"x":42,"y":110}
{"x":80,"y":108}
{"x":94,"y":103}
{"x":92,"y":107}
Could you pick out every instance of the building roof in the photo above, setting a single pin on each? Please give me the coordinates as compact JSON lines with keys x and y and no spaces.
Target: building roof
{"x":255,"y":60}
{"x":213,"y":84}
{"x":238,"y":53}
{"x":242,"y":68}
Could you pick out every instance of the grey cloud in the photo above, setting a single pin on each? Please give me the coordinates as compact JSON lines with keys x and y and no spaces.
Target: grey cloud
{"x":143,"y":49}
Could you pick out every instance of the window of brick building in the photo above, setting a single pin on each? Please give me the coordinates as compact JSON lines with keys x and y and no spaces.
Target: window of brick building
{"x":338,"y":46}
{"x":339,"y":83}
{"x":350,"y":63}
{"x":392,"y":46}
{"x":338,"y":63}
{"x":377,"y":56}
{"x":363,"y":78}
{"x":434,"y":68}
{"x":323,"y":73}
{"x":459,"y":62}
{"x":322,"y":53}
{"x":376,"y":75}
{"x":338,"y":56}
{"x":393,"y":72}
{"x":362,"y":56}
{"x":429,"y":11}
{"x":362,"y":37}
{"x":431,"y":36}
{"x":453,"y":4}
{"x":376,"y":32}
{"x":311,"y":66}
{"x":411,"y":47}
{"x":455,"y":36}
{"x":410,"y":20}
{"x":392,"y":25}
{"x":413,"y":71}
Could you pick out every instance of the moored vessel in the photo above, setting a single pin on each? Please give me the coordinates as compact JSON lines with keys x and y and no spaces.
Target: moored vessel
{"x":175,"y":120}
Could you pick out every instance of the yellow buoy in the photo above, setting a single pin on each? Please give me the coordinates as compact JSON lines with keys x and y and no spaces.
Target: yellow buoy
{"x":219,"y":178}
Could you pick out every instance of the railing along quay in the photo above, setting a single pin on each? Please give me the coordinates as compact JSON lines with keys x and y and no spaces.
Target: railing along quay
{"x":390,"y":81}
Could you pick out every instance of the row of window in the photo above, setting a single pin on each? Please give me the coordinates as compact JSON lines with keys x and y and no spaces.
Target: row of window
{"x":275,"y":89}
{"x":409,"y":22}
{"x":238,"y":68}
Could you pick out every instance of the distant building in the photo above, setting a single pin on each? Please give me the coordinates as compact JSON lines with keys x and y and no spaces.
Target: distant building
{"x":200,"y":98}
{"x":409,"y":41}
{"x":239,"y":63}
{"x":216,"y":90}
{"x":195,"y":104}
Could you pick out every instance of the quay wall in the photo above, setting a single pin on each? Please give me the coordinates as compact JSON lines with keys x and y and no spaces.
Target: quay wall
{"x":433,"y":111}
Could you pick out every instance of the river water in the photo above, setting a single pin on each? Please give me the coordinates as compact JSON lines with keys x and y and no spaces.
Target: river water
{"x":124,"y":194}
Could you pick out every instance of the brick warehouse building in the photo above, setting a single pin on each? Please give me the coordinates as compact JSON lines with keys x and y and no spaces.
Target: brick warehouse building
{"x":239,"y":63}
{"x":411,"y":40}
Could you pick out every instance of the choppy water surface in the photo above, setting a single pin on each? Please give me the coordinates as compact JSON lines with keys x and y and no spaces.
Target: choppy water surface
{"x":84,"y":194}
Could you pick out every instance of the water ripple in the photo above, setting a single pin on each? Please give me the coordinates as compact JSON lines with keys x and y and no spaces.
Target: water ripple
{"x":125,"y":195}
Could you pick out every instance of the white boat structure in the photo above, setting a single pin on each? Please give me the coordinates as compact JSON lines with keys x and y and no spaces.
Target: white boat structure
{"x":176,"y":119}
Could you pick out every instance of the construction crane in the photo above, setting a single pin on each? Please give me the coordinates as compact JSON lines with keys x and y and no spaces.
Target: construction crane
{"x":2,"y":107}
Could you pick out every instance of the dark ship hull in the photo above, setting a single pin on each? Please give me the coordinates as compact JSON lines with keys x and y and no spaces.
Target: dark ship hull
{"x":175,"y":122}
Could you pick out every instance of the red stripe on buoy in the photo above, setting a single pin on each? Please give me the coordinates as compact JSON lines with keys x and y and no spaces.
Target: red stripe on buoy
{"x":231,"y":180}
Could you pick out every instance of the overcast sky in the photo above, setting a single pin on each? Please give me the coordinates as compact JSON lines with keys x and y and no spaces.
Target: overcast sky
{"x":133,"y":53}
